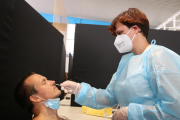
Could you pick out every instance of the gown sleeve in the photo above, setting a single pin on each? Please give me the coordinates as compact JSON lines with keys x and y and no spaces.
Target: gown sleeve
{"x":97,"y":98}
{"x":163,"y":68}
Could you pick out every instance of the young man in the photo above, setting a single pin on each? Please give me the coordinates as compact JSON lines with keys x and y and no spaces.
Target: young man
{"x":38,"y":96}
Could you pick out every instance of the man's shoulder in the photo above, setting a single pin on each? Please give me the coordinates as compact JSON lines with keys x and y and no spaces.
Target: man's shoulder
{"x":39,"y":118}
{"x":63,"y":118}
{"x":44,"y":118}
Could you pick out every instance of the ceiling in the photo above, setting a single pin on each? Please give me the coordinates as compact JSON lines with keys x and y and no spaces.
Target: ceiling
{"x":157,"y":11}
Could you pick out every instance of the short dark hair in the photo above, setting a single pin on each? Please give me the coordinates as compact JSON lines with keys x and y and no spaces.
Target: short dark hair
{"x":23,"y":91}
{"x":132,"y":16}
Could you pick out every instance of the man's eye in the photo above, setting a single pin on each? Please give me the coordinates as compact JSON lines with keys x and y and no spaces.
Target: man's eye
{"x":44,"y":81}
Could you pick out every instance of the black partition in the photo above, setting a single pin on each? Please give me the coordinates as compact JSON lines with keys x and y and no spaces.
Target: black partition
{"x":96,"y":58}
{"x":70,"y":77}
{"x":28,"y":43}
{"x":70,"y":67}
{"x":6,"y":23}
{"x":169,"y":39}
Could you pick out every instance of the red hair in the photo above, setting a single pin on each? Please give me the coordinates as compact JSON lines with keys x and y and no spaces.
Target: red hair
{"x":132,"y":16}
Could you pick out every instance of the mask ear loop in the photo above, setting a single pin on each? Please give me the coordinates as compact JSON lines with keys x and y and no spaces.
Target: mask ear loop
{"x":133,"y":37}
{"x":134,"y":34}
{"x":40,"y":98}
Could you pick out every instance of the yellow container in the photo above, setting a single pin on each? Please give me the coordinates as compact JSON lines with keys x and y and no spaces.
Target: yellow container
{"x":102,"y":113}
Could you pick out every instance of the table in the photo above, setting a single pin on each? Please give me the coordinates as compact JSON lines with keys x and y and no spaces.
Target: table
{"x":75,"y":113}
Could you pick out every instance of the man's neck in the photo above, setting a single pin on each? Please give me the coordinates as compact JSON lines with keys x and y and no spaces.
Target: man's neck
{"x":45,"y":113}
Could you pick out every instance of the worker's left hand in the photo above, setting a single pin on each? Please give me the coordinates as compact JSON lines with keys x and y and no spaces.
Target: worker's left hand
{"x":121,"y":114}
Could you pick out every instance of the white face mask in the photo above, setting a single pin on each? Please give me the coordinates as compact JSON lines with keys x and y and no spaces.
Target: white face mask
{"x":123,"y":43}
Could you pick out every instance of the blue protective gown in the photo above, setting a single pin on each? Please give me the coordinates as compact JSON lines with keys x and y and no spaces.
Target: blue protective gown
{"x":149,"y":84}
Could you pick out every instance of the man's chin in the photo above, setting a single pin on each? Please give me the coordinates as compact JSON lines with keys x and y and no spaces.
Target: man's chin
{"x":61,"y":95}
{"x":59,"y":92}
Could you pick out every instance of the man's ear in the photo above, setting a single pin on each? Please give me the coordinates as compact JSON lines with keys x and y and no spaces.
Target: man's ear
{"x":136,"y":29}
{"x":34,"y":99}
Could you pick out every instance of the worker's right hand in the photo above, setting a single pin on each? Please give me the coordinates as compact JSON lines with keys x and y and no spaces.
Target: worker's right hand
{"x":70,"y":87}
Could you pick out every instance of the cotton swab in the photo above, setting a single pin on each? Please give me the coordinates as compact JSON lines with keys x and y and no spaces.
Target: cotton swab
{"x":67,"y":88}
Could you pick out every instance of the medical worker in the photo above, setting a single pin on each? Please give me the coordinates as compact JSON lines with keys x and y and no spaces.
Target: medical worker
{"x":147,"y":82}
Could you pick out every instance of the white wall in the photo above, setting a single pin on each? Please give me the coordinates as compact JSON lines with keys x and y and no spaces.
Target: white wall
{"x":69,"y":42}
